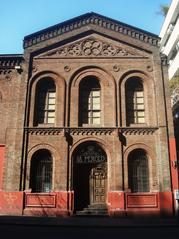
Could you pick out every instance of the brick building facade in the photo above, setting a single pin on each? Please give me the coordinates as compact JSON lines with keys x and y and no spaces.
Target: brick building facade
{"x":86,"y":123}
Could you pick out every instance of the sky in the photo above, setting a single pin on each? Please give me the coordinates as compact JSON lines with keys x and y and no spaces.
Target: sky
{"x":19,"y":18}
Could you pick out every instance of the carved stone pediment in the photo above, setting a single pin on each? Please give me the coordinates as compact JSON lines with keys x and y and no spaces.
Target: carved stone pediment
{"x":91,"y":47}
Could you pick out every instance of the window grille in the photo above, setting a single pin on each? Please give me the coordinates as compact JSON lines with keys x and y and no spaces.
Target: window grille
{"x":138,"y":171}
{"x":90,"y":102}
{"x":41,"y":172}
{"x":135,"y":108}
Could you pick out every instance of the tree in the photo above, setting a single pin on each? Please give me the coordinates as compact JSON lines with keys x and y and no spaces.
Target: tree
{"x":164,"y":9}
{"x":173,"y":84}
{"x":174,"y":89}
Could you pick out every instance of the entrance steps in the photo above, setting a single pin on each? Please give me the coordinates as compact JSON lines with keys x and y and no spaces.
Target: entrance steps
{"x":94,"y":210}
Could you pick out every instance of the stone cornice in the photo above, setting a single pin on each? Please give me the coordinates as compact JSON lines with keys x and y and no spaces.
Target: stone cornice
{"x":92,"y":19}
{"x":91,"y":131}
{"x":10,"y":61}
{"x":45,"y":131}
{"x":138,"y":131}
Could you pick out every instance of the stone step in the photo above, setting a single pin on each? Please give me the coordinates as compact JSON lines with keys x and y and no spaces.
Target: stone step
{"x":97,"y":210}
{"x":90,"y":213}
{"x":97,"y":206}
{"x":93,"y":211}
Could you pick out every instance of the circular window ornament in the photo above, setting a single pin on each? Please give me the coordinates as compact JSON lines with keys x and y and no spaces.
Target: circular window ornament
{"x":149,"y":68}
{"x":67,"y":68}
{"x":116,"y":68}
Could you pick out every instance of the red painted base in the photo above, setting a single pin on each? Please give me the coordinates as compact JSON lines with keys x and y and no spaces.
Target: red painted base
{"x":11,"y":203}
{"x":141,"y":204}
{"x":61,"y":204}
{"x":2,"y":152}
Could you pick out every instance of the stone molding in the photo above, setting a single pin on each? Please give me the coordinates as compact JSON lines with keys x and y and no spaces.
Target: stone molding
{"x":138,"y":131}
{"x":142,"y":200}
{"x":44,"y":131}
{"x":92,"y":19}
{"x":91,"y":131}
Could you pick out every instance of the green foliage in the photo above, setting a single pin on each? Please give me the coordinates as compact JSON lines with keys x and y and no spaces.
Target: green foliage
{"x":174,"y":84}
{"x":163,"y":9}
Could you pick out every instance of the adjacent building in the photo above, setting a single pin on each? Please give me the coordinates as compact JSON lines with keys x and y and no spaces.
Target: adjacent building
{"x":170,"y":47}
{"x":86,"y":123}
{"x":169,"y":35}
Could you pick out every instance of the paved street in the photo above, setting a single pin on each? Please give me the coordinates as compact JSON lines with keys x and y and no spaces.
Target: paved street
{"x":29,"y":227}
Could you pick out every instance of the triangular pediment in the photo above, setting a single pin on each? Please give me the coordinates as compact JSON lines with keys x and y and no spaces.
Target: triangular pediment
{"x":93,"y":46}
{"x":91,"y":21}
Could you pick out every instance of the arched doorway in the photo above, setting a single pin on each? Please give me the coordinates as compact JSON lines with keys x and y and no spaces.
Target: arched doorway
{"x":89,"y":177}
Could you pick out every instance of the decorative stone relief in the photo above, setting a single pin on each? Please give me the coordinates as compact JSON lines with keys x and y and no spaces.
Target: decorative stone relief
{"x":116,"y":68}
{"x":35,"y":68}
{"x":149,"y":68}
{"x":67,"y":68}
{"x":91,"y":48}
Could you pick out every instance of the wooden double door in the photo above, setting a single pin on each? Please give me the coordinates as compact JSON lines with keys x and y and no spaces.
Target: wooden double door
{"x":97,"y":181}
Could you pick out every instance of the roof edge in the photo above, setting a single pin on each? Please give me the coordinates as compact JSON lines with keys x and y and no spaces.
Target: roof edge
{"x":10,"y":55}
{"x":10,"y":61}
{"x":94,"y":19}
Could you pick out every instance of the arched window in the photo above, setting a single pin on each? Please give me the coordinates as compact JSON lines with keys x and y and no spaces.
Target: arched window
{"x":45,"y":102}
{"x":41,"y":171}
{"x":138,"y":172}
{"x":135,"y":110}
{"x":90,"y":102}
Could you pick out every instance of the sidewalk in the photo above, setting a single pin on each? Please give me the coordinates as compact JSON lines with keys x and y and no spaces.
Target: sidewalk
{"x":92,"y":221}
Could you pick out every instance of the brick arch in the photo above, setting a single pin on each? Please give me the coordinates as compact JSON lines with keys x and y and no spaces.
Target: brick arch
{"x":146,"y":78}
{"x":47,"y":74}
{"x":60,"y":94}
{"x":33,"y":150}
{"x":108,"y":87}
{"x":37,"y":147}
{"x":151,"y":162}
{"x":145,"y":147}
{"x":105,"y":78}
{"x":149,"y":95}
{"x":100,"y":142}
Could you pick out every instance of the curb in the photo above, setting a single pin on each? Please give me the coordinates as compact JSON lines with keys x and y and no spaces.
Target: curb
{"x":86,"y":222}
